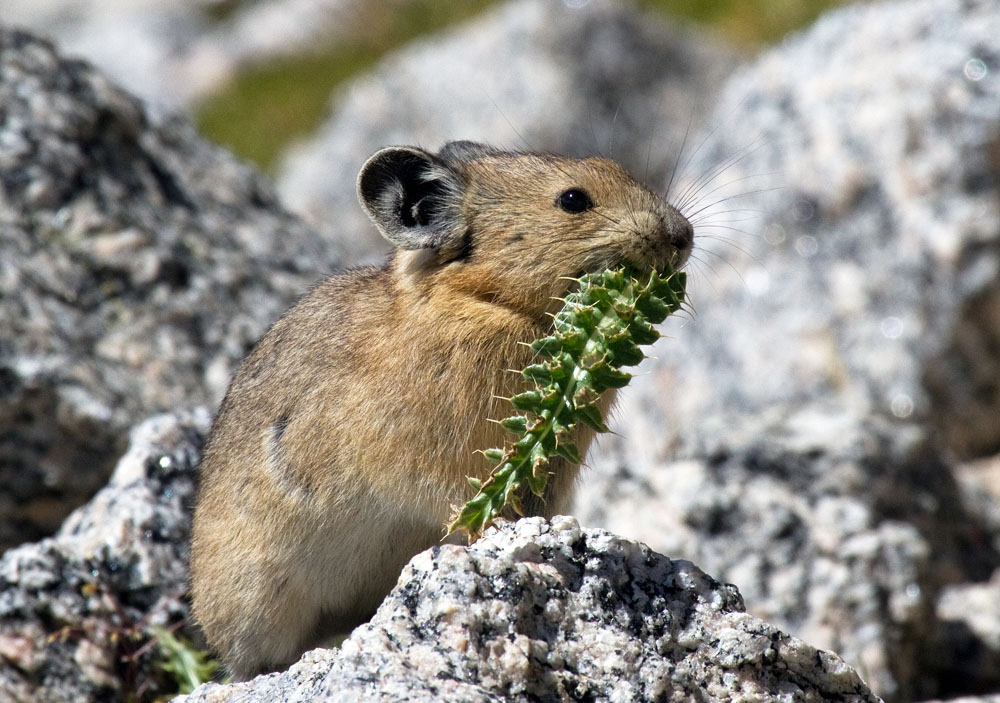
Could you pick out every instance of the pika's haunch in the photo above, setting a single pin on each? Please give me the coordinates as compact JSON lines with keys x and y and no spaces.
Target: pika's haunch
{"x":347,"y":434}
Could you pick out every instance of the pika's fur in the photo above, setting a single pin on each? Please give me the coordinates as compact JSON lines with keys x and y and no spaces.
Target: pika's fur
{"x":346,"y":436}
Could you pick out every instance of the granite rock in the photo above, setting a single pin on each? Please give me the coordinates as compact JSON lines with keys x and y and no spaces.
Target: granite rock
{"x":78,"y":608}
{"x":846,"y":278}
{"x":539,"y":611}
{"x":846,"y":202}
{"x":573,"y":78}
{"x":138,"y":264}
{"x":841,"y":531}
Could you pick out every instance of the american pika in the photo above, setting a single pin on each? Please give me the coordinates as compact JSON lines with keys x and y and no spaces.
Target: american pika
{"x":347,"y":434}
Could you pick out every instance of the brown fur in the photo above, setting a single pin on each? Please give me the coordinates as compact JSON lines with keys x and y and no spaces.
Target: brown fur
{"x":346,"y":436}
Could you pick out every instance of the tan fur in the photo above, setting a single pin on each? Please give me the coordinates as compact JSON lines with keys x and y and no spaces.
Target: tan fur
{"x":346,"y":436}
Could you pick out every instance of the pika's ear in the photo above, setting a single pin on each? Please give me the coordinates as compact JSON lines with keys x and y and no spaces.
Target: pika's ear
{"x":412,"y":197}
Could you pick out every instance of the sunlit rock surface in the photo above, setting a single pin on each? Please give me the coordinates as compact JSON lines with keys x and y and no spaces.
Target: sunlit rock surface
{"x":540,"y":611}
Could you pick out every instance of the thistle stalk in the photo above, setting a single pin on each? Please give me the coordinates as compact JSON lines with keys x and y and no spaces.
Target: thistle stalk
{"x":598,"y":330}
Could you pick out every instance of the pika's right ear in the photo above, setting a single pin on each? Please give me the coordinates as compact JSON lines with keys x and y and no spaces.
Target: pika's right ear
{"x":413,"y":198}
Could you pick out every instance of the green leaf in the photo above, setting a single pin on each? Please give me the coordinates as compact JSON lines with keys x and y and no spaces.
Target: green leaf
{"x":494,"y":456}
{"x":607,"y":376}
{"x":642,"y":332}
{"x":590,"y":416}
{"x":624,"y":351}
{"x":537,"y":482}
{"x":538,"y":372}
{"x":529,"y":400}
{"x":599,"y":329}
{"x":653,"y":308}
{"x":569,"y":451}
{"x":547,"y":346}
{"x":518,"y":424}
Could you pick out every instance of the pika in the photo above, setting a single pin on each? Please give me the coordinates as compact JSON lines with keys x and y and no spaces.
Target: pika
{"x":347,"y":435}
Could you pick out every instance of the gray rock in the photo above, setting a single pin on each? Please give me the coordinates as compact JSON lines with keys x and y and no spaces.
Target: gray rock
{"x":74,"y":606}
{"x":138,"y":264}
{"x":539,"y":611}
{"x":870,"y":275}
{"x":840,"y":531}
{"x":970,"y":613}
{"x":789,"y":437}
{"x":574,"y":78}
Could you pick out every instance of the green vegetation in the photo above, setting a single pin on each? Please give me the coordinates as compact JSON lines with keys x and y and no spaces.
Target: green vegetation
{"x":222,"y":10}
{"x":267,"y":107}
{"x":746,"y":23}
{"x":188,"y":666}
{"x":598,"y":330}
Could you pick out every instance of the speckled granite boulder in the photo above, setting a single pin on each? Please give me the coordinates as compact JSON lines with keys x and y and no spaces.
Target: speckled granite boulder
{"x":841,"y":531}
{"x":574,"y":78}
{"x":540,"y":611}
{"x":138,"y":264}
{"x":73,"y":607}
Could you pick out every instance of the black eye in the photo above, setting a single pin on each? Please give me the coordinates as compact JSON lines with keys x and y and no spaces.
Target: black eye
{"x":575,"y":201}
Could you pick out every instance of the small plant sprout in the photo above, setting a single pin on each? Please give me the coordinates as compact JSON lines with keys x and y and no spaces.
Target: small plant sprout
{"x":598,"y":331}
{"x":189,"y":666}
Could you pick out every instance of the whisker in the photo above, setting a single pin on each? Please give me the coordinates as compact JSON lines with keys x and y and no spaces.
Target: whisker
{"x":702,"y":275}
{"x":734,"y":245}
{"x":607,"y":217}
{"x":692,"y":191}
{"x":735,"y":270}
{"x":593,"y":133}
{"x":614,"y":120}
{"x":699,"y":195}
{"x":722,"y":200}
{"x":680,"y":154}
{"x":649,"y":146}
{"x":704,"y":141}
{"x":510,"y":124}
{"x":749,"y":215}
{"x":737,"y":230}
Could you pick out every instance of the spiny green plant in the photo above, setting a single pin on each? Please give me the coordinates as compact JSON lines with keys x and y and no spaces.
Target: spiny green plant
{"x":186,"y":664}
{"x":598,"y":330}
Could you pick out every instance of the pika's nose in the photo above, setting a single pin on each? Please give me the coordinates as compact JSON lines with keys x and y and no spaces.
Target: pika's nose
{"x":680,"y":234}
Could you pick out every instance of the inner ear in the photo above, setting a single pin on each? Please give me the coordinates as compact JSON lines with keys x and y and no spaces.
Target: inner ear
{"x":412,"y":197}
{"x":423,"y":202}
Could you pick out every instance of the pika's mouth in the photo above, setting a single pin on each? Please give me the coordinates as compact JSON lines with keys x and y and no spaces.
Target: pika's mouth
{"x":663,"y":265}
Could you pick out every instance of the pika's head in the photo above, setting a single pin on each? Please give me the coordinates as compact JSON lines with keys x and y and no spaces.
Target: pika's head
{"x":514,"y":226}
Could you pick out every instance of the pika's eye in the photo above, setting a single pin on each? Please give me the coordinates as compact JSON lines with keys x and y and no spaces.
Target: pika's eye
{"x":575,"y":201}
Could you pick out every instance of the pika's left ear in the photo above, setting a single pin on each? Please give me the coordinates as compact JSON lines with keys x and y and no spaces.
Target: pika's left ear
{"x":412,"y":197}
